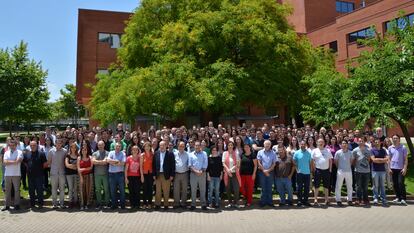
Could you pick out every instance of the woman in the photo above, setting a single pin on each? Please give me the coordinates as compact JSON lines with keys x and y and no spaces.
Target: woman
{"x":146,"y":174}
{"x":71,"y":172}
{"x":205,"y":147}
{"x":84,"y":165}
{"x":134,"y":142}
{"x":293,"y":147}
{"x":248,"y":169}
{"x":232,"y":180}
{"x":333,"y":147}
{"x":214,"y":177}
{"x":239,"y":145}
{"x":133,"y":176}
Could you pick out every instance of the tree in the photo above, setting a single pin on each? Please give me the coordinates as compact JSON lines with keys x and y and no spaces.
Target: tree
{"x":23,"y":88}
{"x":69,"y":108}
{"x":380,"y":86}
{"x":181,"y":56}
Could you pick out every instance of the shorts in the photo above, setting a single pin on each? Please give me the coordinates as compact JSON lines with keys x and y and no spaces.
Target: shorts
{"x":323,"y":175}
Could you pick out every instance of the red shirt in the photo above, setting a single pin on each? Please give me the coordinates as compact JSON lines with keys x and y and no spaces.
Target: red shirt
{"x":85,"y":164}
{"x":133,"y":166}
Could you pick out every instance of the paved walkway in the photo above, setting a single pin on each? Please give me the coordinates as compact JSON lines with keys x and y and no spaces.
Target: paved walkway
{"x":376,"y":219}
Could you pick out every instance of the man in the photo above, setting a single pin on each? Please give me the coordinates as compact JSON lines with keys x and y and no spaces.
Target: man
{"x":198,"y":163}
{"x":56,"y":162}
{"x":116,"y":160}
{"x":266,"y":159}
{"x":379,"y":158}
{"x":12,"y":160}
{"x":163,"y":168}
{"x":322,"y":159}
{"x":101,"y":175}
{"x":245,"y":138}
{"x":344,"y":171}
{"x":258,"y":144}
{"x":361,"y":157}
{"x":181,"y":176}
{"x":284,"y":172}
{"x":118,"y":140}
{"x":304,"y":165}
{"x":92,"y":142}
{"x":35,"y":161}
{"x":398,"y":168}
{"x":2,"y":152}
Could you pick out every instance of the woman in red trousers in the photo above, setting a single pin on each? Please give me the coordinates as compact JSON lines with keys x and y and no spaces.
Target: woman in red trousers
{"x":248,"y":168}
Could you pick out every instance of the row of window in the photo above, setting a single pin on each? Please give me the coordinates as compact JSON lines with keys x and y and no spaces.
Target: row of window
{"x":344,"y":7}
{"x":114,"y":40}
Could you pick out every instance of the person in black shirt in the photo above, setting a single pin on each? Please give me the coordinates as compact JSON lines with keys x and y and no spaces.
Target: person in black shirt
{"x":35,"y":162}
{"x":248,"y":168}
{"x":214,"y":176}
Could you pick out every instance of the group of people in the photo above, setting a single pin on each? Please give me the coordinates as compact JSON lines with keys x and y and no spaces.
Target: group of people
{"x":95,"y":166}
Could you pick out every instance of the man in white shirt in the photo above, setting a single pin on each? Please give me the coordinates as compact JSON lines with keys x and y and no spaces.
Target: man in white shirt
{"x":12,"y":160}
{"x":323,"y":164}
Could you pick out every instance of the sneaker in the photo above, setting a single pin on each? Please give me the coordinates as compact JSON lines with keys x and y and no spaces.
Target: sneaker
{"x":375,"y":201}
{"x":403,"y":202}
{"x":98,"y":207}
{"x":396,"y":201}
{"x":229,"y":206}
{"x":82,"y":208}
{"x":86,"y":207}
{"x":339,"y":203}
{"x":204,"y":208}
{"x":5,"y":208}
{"x":55,"y":207}
{"x":192,"y":207}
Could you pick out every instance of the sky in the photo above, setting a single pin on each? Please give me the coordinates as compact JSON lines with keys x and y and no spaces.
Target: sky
{"x":50,"y":29}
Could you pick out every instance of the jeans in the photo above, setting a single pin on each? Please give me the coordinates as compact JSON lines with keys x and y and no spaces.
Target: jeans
{"x":398,"y":184}
{"x":73,"y":183}
{"x":117,"y":182}
{"x":214,"y":187}
{"x":378,"y":178}
{"x":284,"y":186}
{"x":36,"y":189}
{"x":362,"y":180}
{"x":266,"y":183}
{"x":3,"y":168}
{"x":102,"y":185}
{"x":303,"y":187}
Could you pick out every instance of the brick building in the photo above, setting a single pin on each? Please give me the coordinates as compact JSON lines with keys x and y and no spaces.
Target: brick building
{"x":335,"y":24}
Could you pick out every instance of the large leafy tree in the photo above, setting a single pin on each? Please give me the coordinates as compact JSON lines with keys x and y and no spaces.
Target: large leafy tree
{"x":380,"y":85}
{"x":24,"y":94}
{"x":67,"y":104}
{"x":181,"y":56}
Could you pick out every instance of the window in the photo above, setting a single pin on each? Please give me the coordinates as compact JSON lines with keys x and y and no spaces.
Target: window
{"x":103,"y":71}
{"x":114,"y":40}
{"x":401,"y":23}
{"x":361,"y":34}
{"x":344,"y":7}
{"x":333,"y":46}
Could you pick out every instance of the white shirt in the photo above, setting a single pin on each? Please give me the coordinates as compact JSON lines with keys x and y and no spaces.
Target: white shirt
{"x":232,"y":163}
{"x":13,"y":169}
{"x":162,"y":155}
{"x":321,"y":158}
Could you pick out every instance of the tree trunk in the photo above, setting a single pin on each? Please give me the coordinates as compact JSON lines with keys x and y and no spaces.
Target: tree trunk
{"x":407,"y":137}
{"x":10,"y":128}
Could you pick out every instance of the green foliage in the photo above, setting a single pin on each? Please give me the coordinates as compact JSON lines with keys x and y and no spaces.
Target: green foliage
{"x":69,"y":108}
{"x":183,"y":56}
{"x":23,"y":88}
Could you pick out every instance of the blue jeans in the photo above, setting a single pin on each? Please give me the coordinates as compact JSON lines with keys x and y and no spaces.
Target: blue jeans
{"x":378,"y":178}
{"x":266,"y":183}
{"x":3,"y":168}
{"x":214,"y":186}
{"x":284,"y":186}
{"x":117,"y":181}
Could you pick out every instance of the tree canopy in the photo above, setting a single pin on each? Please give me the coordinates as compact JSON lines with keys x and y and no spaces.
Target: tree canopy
{"x":24,"y":94}
{"x":181,"y":56}
{"x":380,"y":85}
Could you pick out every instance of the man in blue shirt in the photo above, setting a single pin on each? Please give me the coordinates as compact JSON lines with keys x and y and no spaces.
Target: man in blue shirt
{"x":303,"y":162}
{"x":116,"y":160}
{"x":266,"y":159}
{"x":198,"y":162}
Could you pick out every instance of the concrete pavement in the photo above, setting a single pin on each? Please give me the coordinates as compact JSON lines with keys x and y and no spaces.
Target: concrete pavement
{"x":376,"y":219}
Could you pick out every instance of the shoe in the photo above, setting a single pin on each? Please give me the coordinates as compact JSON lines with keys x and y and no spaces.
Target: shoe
{"x":281,"y":204}
{"x":157,"y":207}
{"x":366,"y":203}
{"x":82,"y":208}
{"x":396,"y":201}
{"x":357,"y":203}
{"x":299,"y":204}
{"x":166,"y":208}
{"x":204,"y":207}
{"x":192,"y":207}
{"x":350,"y":203}
{"x":247,"y":205}
{"x":5,"y":208}
{"x":384,"y":204}
{"x":229,"y":206}
{"x":316,"y":204}
{"x":327,"y":203}
{"x":17,"y":207}
{"x":236,"y":206}
{"x":55,"y":207}
{"x":307,"y":204}
{"x":98,"y":207}
{"x":62,"y":207}
{"x":339,"y":203}
{"x":290,"y":203}
{"x":403,"y":202}
{"x":375,"y":202}
{"x":183,"y":207}
{"x":86,"y":207}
